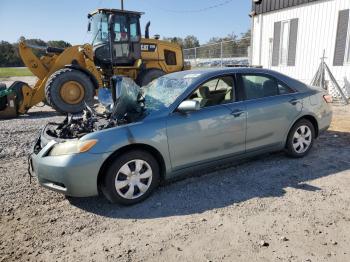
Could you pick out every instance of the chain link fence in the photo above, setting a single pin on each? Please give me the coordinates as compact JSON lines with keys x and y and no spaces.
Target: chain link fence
{"x":233,"y":52}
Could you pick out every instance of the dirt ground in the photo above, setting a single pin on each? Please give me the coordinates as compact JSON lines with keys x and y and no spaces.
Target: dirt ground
{"x":270,"y":208}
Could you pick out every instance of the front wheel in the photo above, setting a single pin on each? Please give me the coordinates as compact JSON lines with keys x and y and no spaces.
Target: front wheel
{"x":300,"y":138}
{"x":131,"y":178}
{"x":67,"y":90}
{"x":148,"y":76}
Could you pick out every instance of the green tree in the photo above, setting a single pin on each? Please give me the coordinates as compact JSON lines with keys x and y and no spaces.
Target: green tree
{"x":190,"y":41}
{"x":8,"y":55}
{"x":38,"y":46}
{"x":177,"y":40}
{"x":59,"y":44}
{"x":232,"y":46}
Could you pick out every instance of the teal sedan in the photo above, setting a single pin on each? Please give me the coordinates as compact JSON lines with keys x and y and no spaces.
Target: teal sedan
{"x":178,"y":123}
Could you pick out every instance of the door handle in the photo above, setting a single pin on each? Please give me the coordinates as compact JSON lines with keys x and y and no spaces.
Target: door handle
{"x":237,"y":112}
{"x":294,"y":101}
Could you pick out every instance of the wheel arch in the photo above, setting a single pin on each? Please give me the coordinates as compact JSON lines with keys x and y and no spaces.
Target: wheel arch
{"x":144,"y":147}
{"x":309,"y":117}
{"x":313,"y":121}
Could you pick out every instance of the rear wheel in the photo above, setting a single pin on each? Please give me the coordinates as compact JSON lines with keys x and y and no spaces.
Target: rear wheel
{"x":67,"y":89}
{"x":300,"y":138}
{"x":149,"y":75}
{"x":131,"y":178}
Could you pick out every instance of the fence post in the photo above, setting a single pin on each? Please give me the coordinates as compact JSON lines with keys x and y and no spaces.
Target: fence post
{"x":195,"y":56}
{"x":221,"y":52}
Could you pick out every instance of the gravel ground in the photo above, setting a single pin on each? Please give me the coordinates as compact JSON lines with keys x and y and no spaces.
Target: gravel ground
{"x":270,"y":208}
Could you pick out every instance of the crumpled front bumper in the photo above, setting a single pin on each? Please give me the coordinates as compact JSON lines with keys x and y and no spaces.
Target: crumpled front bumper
{"x":73,"y":175}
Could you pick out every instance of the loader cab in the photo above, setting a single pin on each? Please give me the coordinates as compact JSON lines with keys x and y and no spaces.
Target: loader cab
{"x":119,"y":29}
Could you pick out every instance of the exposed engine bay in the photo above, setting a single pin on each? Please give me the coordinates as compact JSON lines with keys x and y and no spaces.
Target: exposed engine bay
{"x":122,"y":104}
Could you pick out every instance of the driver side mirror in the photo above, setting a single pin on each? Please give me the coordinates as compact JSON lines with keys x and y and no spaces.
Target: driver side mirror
{"x":188,"y":106}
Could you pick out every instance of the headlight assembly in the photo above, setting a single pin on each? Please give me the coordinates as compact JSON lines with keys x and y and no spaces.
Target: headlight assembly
{"x":72,"y":147}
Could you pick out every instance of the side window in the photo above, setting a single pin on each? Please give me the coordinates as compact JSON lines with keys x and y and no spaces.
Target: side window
{"x":283,"y":89}
{"x":214,"y":92}
{"x":134,"y":36}
{"x":103,"y":27}
{"x":170,"y":57}
{"x":259,"y":86}
{"x":120,"y":29}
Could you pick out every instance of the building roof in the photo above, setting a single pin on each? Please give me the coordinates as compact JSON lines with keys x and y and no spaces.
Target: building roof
{"x":265,"y":6}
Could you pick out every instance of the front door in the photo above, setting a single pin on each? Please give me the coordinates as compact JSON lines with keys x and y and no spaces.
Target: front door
{"x":215,"y":131}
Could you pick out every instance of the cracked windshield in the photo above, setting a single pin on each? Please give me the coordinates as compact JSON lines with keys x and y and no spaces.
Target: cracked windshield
{"x":162,"y":92}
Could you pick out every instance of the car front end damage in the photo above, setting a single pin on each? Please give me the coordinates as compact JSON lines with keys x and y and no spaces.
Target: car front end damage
{"x":69,"y":155}
{"x":60,"y":157}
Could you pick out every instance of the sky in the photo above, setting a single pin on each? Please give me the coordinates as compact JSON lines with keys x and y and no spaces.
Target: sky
{"x":67,"y":19}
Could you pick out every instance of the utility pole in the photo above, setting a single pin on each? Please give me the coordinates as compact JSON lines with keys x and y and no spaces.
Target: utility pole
{"x":221,"y":52}
{"x":122,"y":4}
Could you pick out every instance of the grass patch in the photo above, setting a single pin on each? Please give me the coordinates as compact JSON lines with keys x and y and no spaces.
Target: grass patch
{"x":14,"y":71}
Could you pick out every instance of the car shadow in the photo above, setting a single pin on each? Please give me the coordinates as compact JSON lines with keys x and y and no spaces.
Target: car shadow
{"x":40,"y":114}
{"x":36,"y":115}
{"x":44,"y":112}
{"x":260,"y":177}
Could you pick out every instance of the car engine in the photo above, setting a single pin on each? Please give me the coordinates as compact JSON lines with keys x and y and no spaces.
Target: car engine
{"x":128,"y":107}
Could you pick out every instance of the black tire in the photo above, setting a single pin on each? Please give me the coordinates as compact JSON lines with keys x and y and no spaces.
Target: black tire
{"x":108,"y":187}
{"x":291,"y":140}
{"x":148,"y":76}
{"x":56,"y":81}
{"x":17,"y":86}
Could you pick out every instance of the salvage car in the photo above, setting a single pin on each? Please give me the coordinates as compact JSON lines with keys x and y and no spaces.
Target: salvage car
{"x":179,"y":123}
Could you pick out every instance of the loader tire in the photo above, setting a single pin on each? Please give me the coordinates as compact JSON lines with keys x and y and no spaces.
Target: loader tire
{"x":148,"y":76}
{"x":67,"y":90}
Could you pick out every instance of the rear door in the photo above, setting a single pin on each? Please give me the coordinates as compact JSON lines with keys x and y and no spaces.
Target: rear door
{"x":271,"y":107}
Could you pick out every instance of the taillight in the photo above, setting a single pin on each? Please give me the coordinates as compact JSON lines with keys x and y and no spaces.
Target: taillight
{"x":328,"y":98}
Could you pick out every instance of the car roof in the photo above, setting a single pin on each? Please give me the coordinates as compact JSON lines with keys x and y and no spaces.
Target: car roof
{"x":202,"y":74}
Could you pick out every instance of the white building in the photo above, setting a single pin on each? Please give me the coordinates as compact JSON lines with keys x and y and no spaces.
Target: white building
{"x":289,"y":36}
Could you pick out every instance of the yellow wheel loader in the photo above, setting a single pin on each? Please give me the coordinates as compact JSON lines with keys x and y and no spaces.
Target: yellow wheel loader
{"x":68,"y":78}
